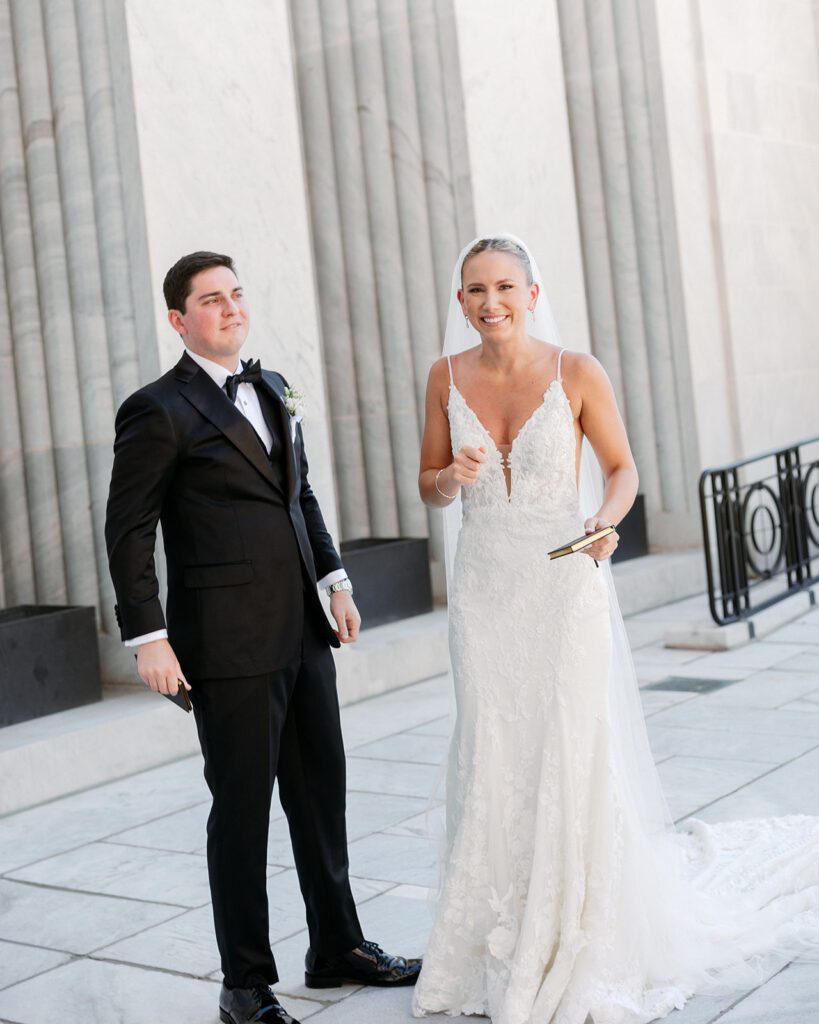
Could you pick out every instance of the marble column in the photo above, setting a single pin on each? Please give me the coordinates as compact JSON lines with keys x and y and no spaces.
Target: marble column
{"x":591,"y":206}
{"x":378,"y":101}
{"x":619,"y":199}
{"x":107,"y":188}
{"x":388,"y":262}
{"x":27,"y":348}
{"x":447,"y":180}
{"x":657,"y":262}
{"x":62,"y":377}
{"x":65,"y":302}
{"x":426,"y":296}
{"x":360,"y":270}
{"x":333,"y":301}
{"x":85,"y":285}
{"x":16,"y":556}
{"x":627,"y":221}
{"x":412,"y":227}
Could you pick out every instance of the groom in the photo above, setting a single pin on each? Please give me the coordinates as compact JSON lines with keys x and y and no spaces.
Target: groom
{"x":211,"y":452}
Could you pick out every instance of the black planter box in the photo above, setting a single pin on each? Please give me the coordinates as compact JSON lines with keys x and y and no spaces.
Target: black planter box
{"x":49,"y":661}
{"x":390,"y":577}
{"x":632,"y":530}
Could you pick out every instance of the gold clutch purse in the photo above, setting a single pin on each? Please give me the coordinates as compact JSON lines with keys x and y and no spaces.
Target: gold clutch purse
{"x":581,"y":542}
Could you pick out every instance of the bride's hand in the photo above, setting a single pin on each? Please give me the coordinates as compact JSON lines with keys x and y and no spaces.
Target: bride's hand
{"x":465,"y":466}
{"x":604,"y":548}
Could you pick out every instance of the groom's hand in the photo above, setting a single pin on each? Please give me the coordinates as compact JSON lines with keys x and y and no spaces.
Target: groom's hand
{"x":345,"y":613}
{"x":158,"y":668}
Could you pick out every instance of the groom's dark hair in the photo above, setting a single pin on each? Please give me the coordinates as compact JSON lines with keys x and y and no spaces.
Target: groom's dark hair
{"x":177,"y":283}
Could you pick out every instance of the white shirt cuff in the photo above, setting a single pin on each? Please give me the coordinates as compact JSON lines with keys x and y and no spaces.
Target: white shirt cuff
{"x":332,"y":577}
{"x":146,"y":638}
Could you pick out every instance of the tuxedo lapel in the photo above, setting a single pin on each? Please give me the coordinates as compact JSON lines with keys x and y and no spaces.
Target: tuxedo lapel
{"x":273,"y":388}
{"x":205,"y":396}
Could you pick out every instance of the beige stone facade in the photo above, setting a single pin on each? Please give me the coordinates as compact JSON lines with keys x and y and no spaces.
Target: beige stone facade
{"x":661,"y":158}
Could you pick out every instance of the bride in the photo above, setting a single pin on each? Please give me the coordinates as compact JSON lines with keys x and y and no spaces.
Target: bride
{"x":566,"y":893}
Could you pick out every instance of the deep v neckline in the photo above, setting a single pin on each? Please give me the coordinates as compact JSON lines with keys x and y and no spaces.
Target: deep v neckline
{"x":509,"y":490}
{"x":523,"y":426}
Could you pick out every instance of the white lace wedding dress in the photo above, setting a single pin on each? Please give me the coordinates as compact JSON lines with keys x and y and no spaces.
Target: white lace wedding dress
{"x":555,"y":904}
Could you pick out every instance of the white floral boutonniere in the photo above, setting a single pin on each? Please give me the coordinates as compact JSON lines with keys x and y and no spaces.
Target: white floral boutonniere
{"x":294,"y":403}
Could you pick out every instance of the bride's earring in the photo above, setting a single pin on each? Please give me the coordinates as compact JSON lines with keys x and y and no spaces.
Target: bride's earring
{"x":532,"y":311}
{"x":466,"y":320}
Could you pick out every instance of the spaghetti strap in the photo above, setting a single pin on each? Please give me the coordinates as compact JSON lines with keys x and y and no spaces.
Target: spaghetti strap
{"x":558,"y":378}
{"x":449,"y":364}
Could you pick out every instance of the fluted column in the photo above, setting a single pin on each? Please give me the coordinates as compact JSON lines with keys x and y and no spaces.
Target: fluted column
{"x":425,"y":315}
{"x":433,"y":104}
{"x":424,"y":323}
{"x":106,"y":174}
{"x":24,"y":316}
{"x":442,"y":40}
{"x":388,"y":266}
{"x":87,"y":306}
{"x":66,"y":310}
{"x":627,"y":220}
{"x":16,"y":563}
{"x":334,"y":306}
{"x":389,"y":200}
{"x":650,"y":257}
{"x":617,"y":189}
{"x":600,"y":297}
{"x":55,"y":303}
{"x":360,"y":271}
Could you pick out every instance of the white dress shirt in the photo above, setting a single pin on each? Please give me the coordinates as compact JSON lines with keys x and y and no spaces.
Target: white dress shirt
{"x":247,"y":402}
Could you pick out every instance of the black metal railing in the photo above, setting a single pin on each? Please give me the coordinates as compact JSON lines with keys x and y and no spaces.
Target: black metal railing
{"x":760,"y":526}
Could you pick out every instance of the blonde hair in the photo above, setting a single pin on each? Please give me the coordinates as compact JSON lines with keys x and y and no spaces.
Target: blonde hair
{"x":495,"y":244}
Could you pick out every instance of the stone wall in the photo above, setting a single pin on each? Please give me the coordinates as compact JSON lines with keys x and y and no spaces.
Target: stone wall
{"x":742,"y":111}
{"x":220,"y":153}
{"x":762,"y":84}
{"x":660,"y":158}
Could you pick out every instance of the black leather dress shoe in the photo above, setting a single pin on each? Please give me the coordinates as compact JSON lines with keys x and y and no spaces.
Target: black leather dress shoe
{"x":367,"y":964}
{"x":254,"y":1005}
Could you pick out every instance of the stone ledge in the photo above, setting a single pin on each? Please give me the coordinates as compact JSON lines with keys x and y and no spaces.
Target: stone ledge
{"x":708,"y":636}
{"x":59,"y":754}
{"x":658,"y":579}
{"x":132,"y":729}
{"x":389,"y":657}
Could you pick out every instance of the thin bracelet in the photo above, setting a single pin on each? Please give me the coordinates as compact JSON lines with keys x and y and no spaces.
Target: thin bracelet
{"x":451,"y":497}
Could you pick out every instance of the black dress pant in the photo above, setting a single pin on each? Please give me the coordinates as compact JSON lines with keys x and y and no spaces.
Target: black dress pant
{"x":282,"y":725}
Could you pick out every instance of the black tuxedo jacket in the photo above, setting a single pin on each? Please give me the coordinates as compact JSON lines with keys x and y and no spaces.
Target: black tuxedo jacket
{"x":244,"y":537}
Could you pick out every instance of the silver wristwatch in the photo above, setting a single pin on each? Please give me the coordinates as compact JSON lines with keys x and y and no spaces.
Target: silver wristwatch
{"x":344,"y":584}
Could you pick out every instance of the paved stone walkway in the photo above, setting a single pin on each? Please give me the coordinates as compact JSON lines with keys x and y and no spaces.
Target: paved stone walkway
{"x":104,"y":912}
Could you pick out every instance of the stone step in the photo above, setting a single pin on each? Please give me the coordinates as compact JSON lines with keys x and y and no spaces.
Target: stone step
{"x":655,"y":580}
{"x":132,"y":729}
{"x":703,"y":634}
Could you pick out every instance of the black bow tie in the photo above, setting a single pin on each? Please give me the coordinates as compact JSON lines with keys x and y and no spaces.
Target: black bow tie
{"x":251,"y":374}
